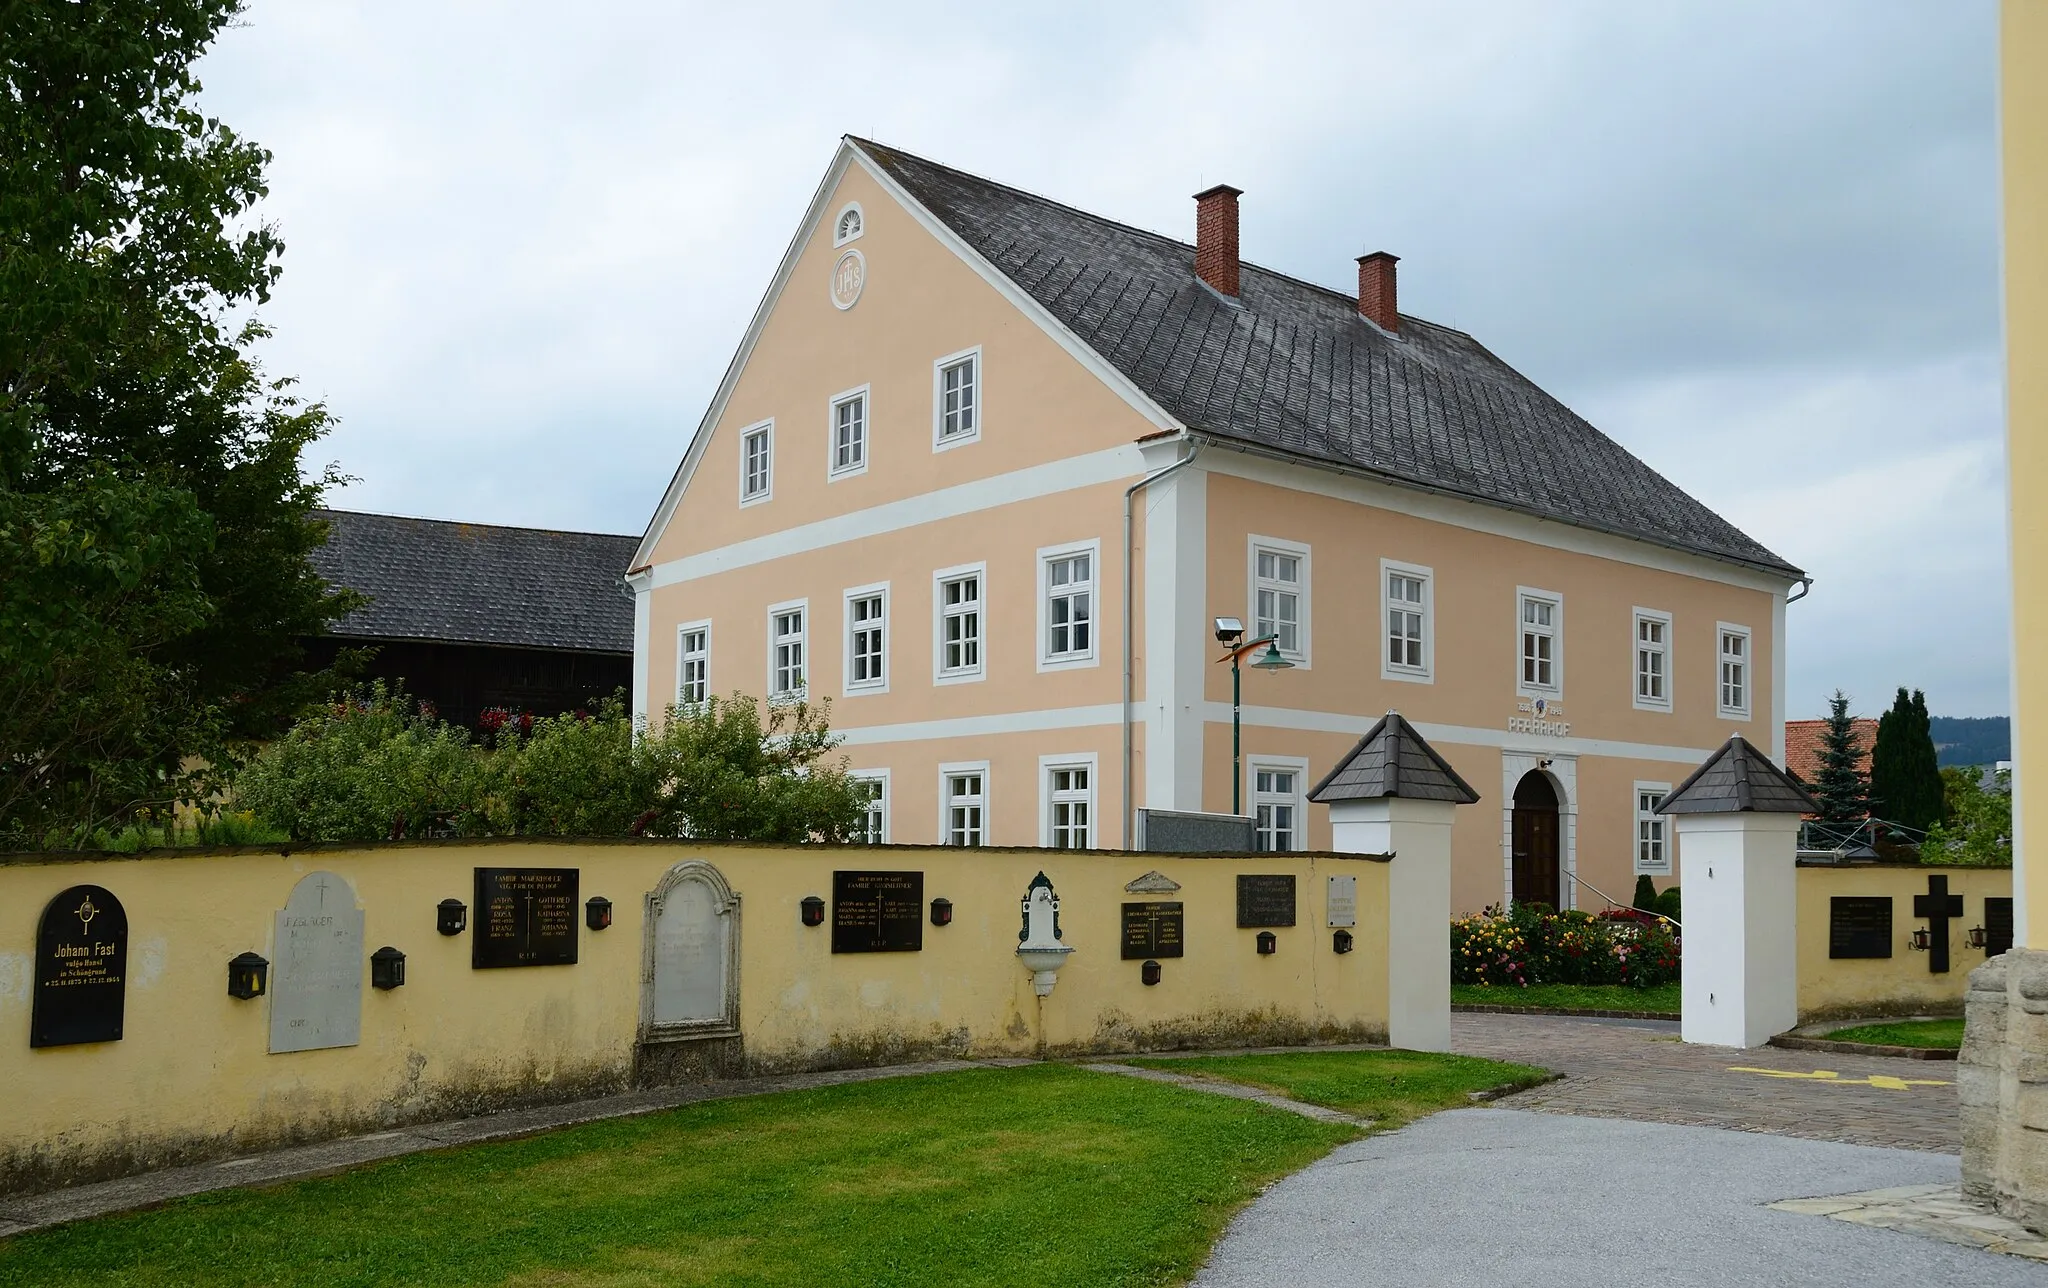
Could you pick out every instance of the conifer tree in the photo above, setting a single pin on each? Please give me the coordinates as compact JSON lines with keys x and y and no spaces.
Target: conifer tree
{"x":1840,"y":787}
{"x":1905,"y":776}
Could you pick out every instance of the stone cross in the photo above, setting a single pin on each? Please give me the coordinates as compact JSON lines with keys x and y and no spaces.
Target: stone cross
{"x":1938,"y":906}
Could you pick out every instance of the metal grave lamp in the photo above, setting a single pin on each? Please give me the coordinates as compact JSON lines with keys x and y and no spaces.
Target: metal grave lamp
{"x":813,"y":910}
{"x":597,"y":912}
{"x":1340,"y":942}
{"x":451,"y":917}
{"x":248,"y":976}
{"x":387,"y":968}
{"x":942,"y":912}
{"x":1269,"y":943}
{"x":1921,"y":940}
{"x":1039,"y":946}
{"x":1979,"y":937}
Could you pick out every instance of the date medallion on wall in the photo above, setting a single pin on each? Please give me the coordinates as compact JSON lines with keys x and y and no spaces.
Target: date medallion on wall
{"x":1542,"y":716}
{"x":849,"y":275}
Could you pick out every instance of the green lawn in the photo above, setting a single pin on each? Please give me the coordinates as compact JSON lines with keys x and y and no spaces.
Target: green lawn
{"x":1394,"y":1087}
{"x":1580,"y":997}
{"x":1040,"y":1174}
{"x":1945,"y":1034}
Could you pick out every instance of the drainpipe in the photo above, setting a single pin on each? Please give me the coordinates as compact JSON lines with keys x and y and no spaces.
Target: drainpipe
{"x":1805,"y":584}
{"x":1129,"y":809}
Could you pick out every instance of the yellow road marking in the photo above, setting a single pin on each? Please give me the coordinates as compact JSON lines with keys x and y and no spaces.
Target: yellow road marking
{"x":1882,"y":1080}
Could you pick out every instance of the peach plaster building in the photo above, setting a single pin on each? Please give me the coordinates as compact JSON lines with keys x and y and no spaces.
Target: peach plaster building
{"x":986,"y":468}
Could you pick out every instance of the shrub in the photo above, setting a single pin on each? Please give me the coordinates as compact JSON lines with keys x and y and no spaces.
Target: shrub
{"x":1667,"y":904}
{"x":1530,"y":944}
{"x":1646,"y":893}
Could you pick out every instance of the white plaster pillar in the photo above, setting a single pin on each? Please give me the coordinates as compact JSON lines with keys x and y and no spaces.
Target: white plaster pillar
{"x":1418,"y":933}
{"x":1740,"y":969}
{"x":1177,"y":632}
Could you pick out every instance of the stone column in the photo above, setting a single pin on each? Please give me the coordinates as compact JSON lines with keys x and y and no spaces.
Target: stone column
{"x":1418,"y":834}
{"x":1740,"y":977}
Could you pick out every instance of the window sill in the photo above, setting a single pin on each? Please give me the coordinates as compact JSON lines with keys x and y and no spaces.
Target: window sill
{"x":1408,"y":677}
{"x":1068,"y":662}
{"x":957,"y":440}
{"x":959,"y":677}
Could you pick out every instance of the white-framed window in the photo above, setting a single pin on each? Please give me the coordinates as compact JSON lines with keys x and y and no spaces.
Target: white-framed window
{"x":1652,"y":651}
{"x":1279,"y":594}
{"x":1069,"y":610}
{"x":788,"y":661}
{"x":1408,"y":610}
{"x":867,"y":639}
{"x":757,"y":463}
{"x":1539,"y":642}
{"x":873,"y":785}
{"x":849,"y":224}
{"x":963,"y":804}
{"x":693,"y":663}
{"x":1736,"y":673}
{"x":847,"y":434}
{"x":1653,"y":837}
{"x":1279,"y":786}
{"x":959,"y":629}
{"x":1067,"y":817}
{"x":956,"y":399}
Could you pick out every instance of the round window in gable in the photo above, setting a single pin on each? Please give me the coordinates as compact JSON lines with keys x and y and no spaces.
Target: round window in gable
{"x":849,"y":225}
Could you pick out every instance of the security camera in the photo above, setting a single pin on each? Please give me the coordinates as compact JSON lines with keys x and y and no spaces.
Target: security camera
{"x":1229,"y":630}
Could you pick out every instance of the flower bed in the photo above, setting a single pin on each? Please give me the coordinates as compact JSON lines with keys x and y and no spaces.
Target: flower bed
{"x":1531,"y":944}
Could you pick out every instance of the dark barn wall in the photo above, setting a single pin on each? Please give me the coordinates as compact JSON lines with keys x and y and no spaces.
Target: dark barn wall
{"x":462,"y":680}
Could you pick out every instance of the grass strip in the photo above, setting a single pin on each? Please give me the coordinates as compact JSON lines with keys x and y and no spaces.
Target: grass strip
{"x":1943,"y":1035}
{"x":1391,"y":1087}
{"x":1044,"y":1173}
{"x":1662,"y":1000}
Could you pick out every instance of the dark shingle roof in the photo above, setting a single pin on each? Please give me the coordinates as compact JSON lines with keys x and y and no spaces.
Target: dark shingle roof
{"x":476,"y":583}
{"x":1738,"y":779}
{"x":1292,"y":368}
{"x":1393,"y":760}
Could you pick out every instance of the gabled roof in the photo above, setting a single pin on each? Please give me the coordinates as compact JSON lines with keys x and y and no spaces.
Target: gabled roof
{"x":1738,"y":779}
{"x":1806,"y":743}
{"x":1292,"y":369}
{"x":1393,"y":760}
{"x":477,"y":583}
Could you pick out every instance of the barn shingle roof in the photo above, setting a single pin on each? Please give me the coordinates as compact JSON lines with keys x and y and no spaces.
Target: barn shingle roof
{"x":1738,"y":779}
{"x":1292,"y":368}
{"x":1393,"y":760}
{"x":477,"y":583}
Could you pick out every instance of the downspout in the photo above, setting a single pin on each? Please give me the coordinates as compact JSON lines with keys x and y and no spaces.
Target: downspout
{"x":1805,"y":584}
{"x":1129,"y":808}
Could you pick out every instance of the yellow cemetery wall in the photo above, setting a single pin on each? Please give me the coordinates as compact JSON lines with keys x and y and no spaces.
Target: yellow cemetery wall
{"x":192,"y":1076}
{"x":1902,"y":984}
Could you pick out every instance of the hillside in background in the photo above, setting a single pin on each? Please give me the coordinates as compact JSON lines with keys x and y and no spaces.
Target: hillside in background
{"x":1971,"y":740}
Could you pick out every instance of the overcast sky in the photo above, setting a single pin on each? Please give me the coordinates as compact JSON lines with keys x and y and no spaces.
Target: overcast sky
{"x":1754,"y":242}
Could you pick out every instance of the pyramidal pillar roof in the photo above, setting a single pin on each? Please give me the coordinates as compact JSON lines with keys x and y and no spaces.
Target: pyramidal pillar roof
{"x":1393,"y":760}
{"x":1738,"y":779}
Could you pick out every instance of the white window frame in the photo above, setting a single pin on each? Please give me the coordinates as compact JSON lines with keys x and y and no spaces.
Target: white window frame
{"x":840,"y":238}
{"x":765,"y":428}
{"x":1301,"y":654}
{"x":1047,"y":799}
{"x":965,"y":675}
{"x":1636,"y":648}
{"x":1663,"y":824}
{"x":879,"y":777}
{"x":803,"y":639}
{"x":682,"y":659}
{"x":941,"y":443}
{"x":833,"y":470}
{"x":1389,"y":669}
{"x":1722,"y":630}
{"x":946,"y":773}
{"x":1091,"y":656}
{"x":1555,"y":689}
{"x":1296,"y":765}
{"x":848,"y":686}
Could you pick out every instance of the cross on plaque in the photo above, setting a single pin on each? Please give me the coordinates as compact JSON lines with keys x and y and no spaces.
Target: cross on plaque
{"x":1938,"y":906}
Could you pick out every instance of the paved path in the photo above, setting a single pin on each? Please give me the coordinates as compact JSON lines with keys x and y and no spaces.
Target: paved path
{"x":1639,"y":1069}
{"x":1495,"y":1196}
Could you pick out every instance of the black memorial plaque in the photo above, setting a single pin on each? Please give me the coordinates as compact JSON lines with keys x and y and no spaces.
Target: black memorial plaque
{"x":1152,"y":930}
{"x":1860,"y":926}
{"x":81,"y":969}
{"x":877,"y":912}
{"x":1997,"y":926}
{"x":1265,"y":901}
{"x":524,"y":917}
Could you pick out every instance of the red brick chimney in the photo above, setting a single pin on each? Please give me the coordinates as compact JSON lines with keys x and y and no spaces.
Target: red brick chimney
{"x":1216,"y":237}
{"x":1376,"y":289}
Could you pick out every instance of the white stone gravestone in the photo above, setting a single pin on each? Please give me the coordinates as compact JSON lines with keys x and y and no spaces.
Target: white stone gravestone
{"x":316,"y":983}
{"x":1343,"y":901}
{"x":693,"y":960}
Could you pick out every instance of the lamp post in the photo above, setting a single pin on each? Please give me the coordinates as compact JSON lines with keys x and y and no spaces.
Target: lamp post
{"x":1229,"y":633}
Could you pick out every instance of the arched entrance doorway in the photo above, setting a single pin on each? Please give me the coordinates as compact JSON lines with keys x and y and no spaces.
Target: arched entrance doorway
{"x":1538,"y":869}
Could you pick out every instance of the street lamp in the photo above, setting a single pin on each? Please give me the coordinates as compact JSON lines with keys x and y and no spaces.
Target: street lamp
{"x":1230,"y":633}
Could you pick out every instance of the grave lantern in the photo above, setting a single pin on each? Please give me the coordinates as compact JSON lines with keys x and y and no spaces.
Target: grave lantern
{"x":1340,"y":942}
{"x":597,"y":912}
{"x":1978,"y":938}
{"x":1149,"y":973}
{"x":1269,"y":943}
{"x":1920,"y":940}
{"x":248,"y":976}
{"x":452,"y":917}
{"x":387,"y":968}
{"x":814,"y":910}
{"x":942,"y":912}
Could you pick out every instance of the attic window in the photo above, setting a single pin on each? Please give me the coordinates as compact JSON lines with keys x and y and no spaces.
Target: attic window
{"x":848,"y":226}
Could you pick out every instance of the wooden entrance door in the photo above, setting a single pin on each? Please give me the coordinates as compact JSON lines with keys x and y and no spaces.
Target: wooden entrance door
{"x":1538,"y":867}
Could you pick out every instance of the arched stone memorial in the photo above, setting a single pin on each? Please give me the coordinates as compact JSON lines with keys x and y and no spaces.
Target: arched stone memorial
{"x":691,"y":987}
{"x":316,"y":985}
{"x":81,"y":969}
